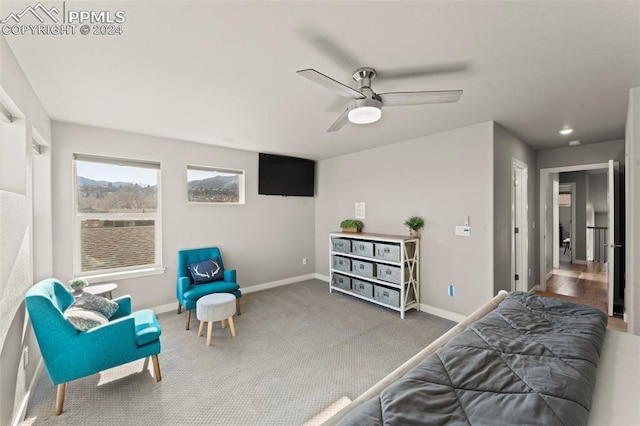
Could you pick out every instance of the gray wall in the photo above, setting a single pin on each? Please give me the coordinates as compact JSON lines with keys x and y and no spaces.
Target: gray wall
{"x":579,"y":241}
{"x":442,"y":178}
{"x":264,"y":240}
{"x":583,"y":154}
{"x":16,"y":162}
{"x":507,"y":146}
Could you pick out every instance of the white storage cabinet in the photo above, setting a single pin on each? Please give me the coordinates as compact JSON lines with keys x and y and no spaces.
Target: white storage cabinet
{"x":381,"y":269}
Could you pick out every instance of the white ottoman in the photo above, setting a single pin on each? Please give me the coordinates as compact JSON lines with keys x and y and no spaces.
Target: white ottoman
{"x":216,"y":307}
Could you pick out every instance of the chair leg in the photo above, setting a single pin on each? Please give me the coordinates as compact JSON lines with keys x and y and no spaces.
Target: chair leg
{"x":188,"y":318}
{"x":238,"y":305}
{"x":232,"y":326}
{"x":179,"y":308}
{"x":209,"y":332}
{"x":60,"y":398}
{"x":156,"y":367}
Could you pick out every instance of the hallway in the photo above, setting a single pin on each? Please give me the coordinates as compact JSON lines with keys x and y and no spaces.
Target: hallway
{"x":584,"y":284}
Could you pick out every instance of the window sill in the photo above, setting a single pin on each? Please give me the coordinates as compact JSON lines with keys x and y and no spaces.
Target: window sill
{"x":111,"y":276}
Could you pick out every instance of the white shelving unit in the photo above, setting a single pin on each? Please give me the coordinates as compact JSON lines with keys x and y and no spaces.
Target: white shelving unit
{"x":379,"y":268}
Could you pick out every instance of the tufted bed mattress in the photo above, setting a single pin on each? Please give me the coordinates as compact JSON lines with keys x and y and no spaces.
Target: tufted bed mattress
{"x":521,"y":359}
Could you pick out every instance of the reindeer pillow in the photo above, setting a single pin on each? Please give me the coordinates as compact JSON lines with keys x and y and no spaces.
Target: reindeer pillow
{"x":207,"y":271}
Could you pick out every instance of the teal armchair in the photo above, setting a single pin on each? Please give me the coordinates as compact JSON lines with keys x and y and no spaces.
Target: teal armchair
{"x":70,"y":354}
{"x":188,"y":293}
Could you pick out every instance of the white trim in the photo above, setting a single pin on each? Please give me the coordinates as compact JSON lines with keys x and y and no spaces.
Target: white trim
{"x":278,"y":283}
{"x":546,"y":277}
{"x":520,"y":216}
{"x":441,"y":313}
{"x":22,"y":411}
{"x":580,"y":262}
{"x":161,"y":309}
{"x":321,"y":277}
{"x":110,"y":276}
{"x":534,"y":289}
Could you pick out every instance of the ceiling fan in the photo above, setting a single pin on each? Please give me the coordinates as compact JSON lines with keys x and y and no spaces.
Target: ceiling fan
{"x":366,"y":105}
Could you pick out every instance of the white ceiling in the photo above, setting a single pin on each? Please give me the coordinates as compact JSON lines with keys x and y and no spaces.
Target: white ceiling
{"x":223,"y":73}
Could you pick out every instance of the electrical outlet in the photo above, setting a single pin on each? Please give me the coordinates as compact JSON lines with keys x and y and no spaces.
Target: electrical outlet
{"x":25,"y":356}
{"x":304,"y":260}
{"x":450,"y":291}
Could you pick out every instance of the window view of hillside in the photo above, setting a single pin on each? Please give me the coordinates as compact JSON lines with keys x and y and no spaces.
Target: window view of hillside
{"x":116,"y":209}
{"x":213,"y":186}
{"x":115,"y":197}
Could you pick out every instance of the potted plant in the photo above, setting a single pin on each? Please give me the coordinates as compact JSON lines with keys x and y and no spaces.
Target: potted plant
{"x":414,"y":223}
{"x":351,"y":225}
{"x":78,"y":284}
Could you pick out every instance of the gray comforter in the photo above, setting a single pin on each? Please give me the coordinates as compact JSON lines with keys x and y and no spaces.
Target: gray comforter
{"x":532,"y":360}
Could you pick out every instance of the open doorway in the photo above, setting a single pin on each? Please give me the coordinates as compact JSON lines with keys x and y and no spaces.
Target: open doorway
{"x":576,"y":205}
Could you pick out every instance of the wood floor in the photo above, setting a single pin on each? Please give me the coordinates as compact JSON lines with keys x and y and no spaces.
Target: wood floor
{"x":584,"y":284}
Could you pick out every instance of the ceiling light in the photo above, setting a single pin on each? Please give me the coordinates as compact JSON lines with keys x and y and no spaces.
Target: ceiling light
{"x":566,"y":131}
{"x":365,"y":111}
{"x":575,"y":143}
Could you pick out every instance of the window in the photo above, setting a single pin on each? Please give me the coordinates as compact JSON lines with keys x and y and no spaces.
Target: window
{"x":564,"y":199}
{"x":117,"y":219}
{"x":215,"y":185}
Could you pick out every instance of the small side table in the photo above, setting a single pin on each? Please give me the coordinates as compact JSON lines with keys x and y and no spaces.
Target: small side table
{"x":101,"y":289}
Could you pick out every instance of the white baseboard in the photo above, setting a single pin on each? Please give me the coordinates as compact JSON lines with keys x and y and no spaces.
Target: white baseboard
{"x":173,"y":306}
{"x":534,"y":289}
{"x":580,"y":262}
{"x":321,"y":277}
{"x":549,"y":274}
{"x":22,"y":411}
{"x":441,"y":313}
{"x":279,"y":283}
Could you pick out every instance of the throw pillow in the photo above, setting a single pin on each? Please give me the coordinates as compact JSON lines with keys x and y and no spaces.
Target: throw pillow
{"x":207,"y":271}
{"x":89,"y":311}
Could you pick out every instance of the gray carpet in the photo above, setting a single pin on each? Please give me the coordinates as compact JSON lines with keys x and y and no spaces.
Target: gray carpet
{"x":298,"y":350}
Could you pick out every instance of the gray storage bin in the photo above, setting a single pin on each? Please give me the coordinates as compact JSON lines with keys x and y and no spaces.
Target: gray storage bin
{"x":362,"y":248}
{"x":342,"y":245}
{"x":341,"y":263}
{"x":341,"y":281}
{"x":365,"y":269}
{"x":388,"y":252}
{"x":363,"y":288}
{"x":390,"y":273}
{"x":392,"y":251}
{"x":386,"y":295}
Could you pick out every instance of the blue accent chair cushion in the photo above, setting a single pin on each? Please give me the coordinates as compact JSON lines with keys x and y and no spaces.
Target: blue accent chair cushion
{"x":206,"y":271}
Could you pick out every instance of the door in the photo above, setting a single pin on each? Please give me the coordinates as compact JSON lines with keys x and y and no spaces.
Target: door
{"x":519,"y":214}
{"x":612,"y":245}
{"x":556,"y":223}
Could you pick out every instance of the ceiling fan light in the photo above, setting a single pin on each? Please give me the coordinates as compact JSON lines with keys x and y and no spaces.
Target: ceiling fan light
{"x":365,"y":115}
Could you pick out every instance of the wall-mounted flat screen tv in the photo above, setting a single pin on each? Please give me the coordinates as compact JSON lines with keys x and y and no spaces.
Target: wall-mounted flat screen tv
{"x":289,"y":176}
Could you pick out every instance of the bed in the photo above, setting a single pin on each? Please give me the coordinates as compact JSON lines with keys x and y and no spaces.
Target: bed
{"x":519,"y":359}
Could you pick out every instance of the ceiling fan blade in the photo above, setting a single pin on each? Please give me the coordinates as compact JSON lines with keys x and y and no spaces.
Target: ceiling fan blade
{"x":419,"y":98}
{"x":341,"y":121}
{"x":419,"y":71}
{"x":330,"y":83}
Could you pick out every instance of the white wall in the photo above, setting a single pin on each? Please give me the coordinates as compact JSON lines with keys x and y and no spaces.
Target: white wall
{"x":506,"y":146}
{"x":264,"y":240}
{"x":632,"y":207}
{"x":16,"y":162}
{"x":592,"y":153}
{"x":440,"y":177}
